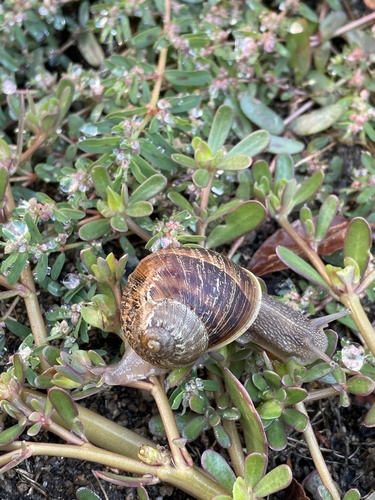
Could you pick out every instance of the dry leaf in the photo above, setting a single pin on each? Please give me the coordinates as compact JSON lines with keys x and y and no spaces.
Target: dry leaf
{"x":265,"y":260}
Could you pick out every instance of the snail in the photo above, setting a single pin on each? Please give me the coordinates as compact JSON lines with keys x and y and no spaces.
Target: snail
{"x":182,"y":302}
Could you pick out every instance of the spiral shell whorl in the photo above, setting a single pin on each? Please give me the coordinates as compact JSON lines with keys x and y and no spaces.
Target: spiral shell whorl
{"x":195,"y":296}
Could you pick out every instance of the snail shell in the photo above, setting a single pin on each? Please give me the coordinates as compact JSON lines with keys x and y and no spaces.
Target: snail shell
{"x":178,"y":303}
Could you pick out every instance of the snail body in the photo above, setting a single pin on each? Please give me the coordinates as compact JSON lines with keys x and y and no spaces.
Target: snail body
{"x":181,"y":302}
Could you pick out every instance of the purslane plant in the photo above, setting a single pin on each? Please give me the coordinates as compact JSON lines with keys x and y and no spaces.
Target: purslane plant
{"x":152,"y":147}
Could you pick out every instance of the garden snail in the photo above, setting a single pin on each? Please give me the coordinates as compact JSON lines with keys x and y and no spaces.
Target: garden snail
{"x":181,"y":302}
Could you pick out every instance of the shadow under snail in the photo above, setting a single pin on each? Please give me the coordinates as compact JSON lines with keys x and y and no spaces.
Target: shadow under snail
{"x":182,"y":302}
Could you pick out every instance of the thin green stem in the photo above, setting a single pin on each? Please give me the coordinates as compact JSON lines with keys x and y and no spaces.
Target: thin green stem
{"x":117,"y":440}
{"x":327,"y":392}
{"x":193,"y":481}
{"x":366,"y":282}
{"x":180,"y":455}
{"x":202,"y":225}
{"x":317,"y":456}
{"x":236,"y":449}
{"x":136,"y":229}
{"x":159,"y":76}
{"x":360,"y":318}
{"x":34,"y":313}
{"x":99,"y":430}
{"x":84,"y":452}
{"x":39,"y":141}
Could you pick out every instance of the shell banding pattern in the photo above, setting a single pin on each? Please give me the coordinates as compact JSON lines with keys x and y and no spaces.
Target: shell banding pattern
{"x":219,"y":298}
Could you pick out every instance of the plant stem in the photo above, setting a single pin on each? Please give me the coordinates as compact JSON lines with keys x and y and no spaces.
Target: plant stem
{"x":352,"y":302}
{"x":84,"y":452}
{"x":162,"y":62}
{"x":236,"y":449}
{"x":181,"y":457}
{"x":204,"y":204}
{"x":34,"y":313}
{"x":327,"y":392}
{"x":309,"y":252}
{"x":115,"y":439}
{"x":39,"y":141}
{"x":136,"y":229}
{"x":353,"y":25}
{"x":317,"y":456}
{"x":99,"y":430}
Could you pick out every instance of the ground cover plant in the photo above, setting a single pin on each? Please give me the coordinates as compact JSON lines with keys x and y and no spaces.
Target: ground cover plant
{"x":247,"y":128}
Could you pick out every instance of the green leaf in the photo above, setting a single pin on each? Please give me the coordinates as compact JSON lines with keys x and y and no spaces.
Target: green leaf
{"x":3,"y":177}
{"x":184,"y":160}
{"x":11,"y":434}
{"x":149,"y":188}
{"x":276,"y":435}
{"x":352,"y":495}
{"x":67,"y":409}
{"x":94,"y":229}
{"x":17,"y":268}
{"x":261,"y":115}
{"x":236,"y":162}
{"x":155,"y":155}
{"x":237,"y":223}
{"x":298,"y":45}
{"x":140,"y":209}
{"x":114,"y":201}
{"x":119,"y":223}
{"x":218,"y":467}
{"x":220,"y":128}
{"x":284,"y":169}
{"x":41,"y":268}
{"x":17,"y":328}
{"x":283,"y":145}
{"x":322,"y":88}
{"x":146,"y":38}
{"x":179,"y":78}
{"x":318,"y":120}
{"x":224,"y":209}
{"x":331,"y":22}
{"x":65,"y":94}
{"x":270,"y":409}
{"x":201,"y":177}
{"x":182,"y":104}
{"x":193,"y":429}
{"x":99,"y":145}
{"x":101,"y":181}
{"x":255,"y":468}
{"x":370,"y":417}
{"x":295,"y":419}
{"x":277,"y":479}
{"x":7,"y":61}
{"x":300,"y":266}
{"x":357,"y":243}
{"x":86,"y":494}
{"x":309,"y":187}
{"x":90,"y":48}
{"x":252,"y":145}
{"x":36,"y":237}
{"x":180,"y":201}
{"x":325,"y":217}
{"x":252,"y":425}
{"x":360,"y":385}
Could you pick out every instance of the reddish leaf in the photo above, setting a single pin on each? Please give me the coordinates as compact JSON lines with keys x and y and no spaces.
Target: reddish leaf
{"x":295,"y":491}
{"x":265,"y":260}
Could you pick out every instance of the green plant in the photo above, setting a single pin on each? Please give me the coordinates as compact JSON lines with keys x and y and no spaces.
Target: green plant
{"x":177,"y":124}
